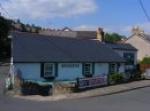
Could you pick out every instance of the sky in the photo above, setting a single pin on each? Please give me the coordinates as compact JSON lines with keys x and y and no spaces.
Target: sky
{"x":112,"y":15}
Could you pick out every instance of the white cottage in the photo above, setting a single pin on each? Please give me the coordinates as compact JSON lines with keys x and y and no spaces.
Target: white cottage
{"x":40,"y":57}
{"x":140,"y":40}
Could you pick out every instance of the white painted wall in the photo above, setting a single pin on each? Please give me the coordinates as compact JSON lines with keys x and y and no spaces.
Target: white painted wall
{"x":142,"y":45}
{"x":29,"y":70}
{"x":101,"y":68}
{"x":69,"y":73}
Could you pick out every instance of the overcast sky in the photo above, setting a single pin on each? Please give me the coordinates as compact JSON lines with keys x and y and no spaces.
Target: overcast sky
{"x":112,"y":15}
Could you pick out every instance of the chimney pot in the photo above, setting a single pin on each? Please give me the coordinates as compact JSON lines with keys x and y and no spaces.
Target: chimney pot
{"x":137,"y":31}
{"x":100,"y":34}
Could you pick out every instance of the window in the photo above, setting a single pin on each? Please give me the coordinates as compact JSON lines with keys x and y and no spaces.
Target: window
{"x":112,"y":68}
{"x":129,"y":57}
{"x":49,"y":70}
{"x":87,"y":70}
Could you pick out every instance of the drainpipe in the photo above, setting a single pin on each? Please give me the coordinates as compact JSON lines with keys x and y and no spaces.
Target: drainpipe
{"x":12,"y":68}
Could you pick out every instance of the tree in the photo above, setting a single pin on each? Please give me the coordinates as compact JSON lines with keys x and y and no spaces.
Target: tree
{"x":146,"y":60}
{"x":5,"y":26}
{"x":113,"y":37}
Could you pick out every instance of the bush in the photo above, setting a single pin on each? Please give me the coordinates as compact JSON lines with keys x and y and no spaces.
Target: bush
{"x":116,"y":78}
{"x":135,"y":74}
{"x":146,"y":60}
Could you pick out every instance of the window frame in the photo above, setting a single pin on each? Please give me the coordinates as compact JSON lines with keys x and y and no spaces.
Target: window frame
{"x":114,"y":68}
{"x":90,"y":68}
{"x":51,"y":73}
{"x":131,"y":60}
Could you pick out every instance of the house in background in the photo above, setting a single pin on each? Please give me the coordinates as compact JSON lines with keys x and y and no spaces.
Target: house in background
{"x":141,"y":41}
{"x":67,"y":32}
{"x":127,"y":51}
{"x":40,"y":57}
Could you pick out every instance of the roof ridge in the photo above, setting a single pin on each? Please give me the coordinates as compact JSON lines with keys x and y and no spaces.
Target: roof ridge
{"x":53,"y":36}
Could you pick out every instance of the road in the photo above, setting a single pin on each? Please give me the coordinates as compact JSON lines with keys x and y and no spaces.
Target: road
{"x":137,"y":100}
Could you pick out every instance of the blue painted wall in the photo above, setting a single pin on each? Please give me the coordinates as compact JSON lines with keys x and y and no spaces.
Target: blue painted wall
{"x":65,"y":72}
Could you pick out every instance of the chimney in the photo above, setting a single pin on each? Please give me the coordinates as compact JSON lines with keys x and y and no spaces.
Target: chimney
{"x":100,"y":34}
{"x":137,"y":31}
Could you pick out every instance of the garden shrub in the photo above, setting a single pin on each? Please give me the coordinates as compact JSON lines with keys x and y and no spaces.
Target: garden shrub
{"x":116,"y":78}
{"x":146,"y":60}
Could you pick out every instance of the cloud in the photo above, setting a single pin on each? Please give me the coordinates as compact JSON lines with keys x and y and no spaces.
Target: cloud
{"x":48,"y":9}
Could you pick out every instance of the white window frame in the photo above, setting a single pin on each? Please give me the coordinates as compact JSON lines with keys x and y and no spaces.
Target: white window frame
{"x":49,"y":72}
{"x":89,"y":71}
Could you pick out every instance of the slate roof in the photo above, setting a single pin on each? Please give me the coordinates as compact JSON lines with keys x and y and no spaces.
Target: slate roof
{"x":86,"y":34}
{"x":146,"y":37}
{"x":142,"y":36}
{"x":121,"y":46}
{"x":29,"y":47}
{"x":70,"y":34}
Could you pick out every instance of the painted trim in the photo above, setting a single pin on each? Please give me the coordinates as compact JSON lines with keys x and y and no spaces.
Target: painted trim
{"x":93,"y":68}
{"x":56,"y":69}
{"x":71,"y":62}
{"x":82,"y":69}
{"x":135,"y":50}
{"x":53,"y":69}
{"x":42,"y":70}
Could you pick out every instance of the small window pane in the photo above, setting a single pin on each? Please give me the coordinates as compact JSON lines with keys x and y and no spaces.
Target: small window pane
{"x":48,"y":70}
{"x":112,"y":68}
{"x":87,"y":69}
{"x":129,"y":58}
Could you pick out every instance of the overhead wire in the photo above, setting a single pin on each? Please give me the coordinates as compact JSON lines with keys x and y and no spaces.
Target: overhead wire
{"x":144,"y":10}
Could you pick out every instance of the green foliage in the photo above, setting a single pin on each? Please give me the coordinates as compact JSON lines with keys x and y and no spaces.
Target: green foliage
{"x":5,"y":26}
{"x":113,"y":37}
{"x":146,"y":60}
{"x":116,"y":78}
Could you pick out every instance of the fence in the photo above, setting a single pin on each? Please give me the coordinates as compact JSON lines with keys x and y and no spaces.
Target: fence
{"x":143,"y":67}
{"x":83,"y":83}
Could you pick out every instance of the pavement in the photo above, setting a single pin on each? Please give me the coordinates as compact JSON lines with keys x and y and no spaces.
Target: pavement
{"x":109,"y":90}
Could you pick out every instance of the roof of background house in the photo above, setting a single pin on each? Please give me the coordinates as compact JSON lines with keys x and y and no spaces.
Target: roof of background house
{"x":66,"y":29}
{"x":142,"y":36}
{"x":29,"y":47}
{"x":86,"y":34}
{"x":146,"y":37}
{"x":70,"y":34}
{"x":140,"y":33}
{"x":120,"y":46}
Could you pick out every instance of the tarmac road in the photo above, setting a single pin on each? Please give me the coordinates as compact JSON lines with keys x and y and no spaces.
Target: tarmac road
{"x":136,"y":100}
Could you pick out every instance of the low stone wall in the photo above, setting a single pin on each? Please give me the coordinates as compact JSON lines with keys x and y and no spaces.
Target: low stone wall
{"x":63,"y":88}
